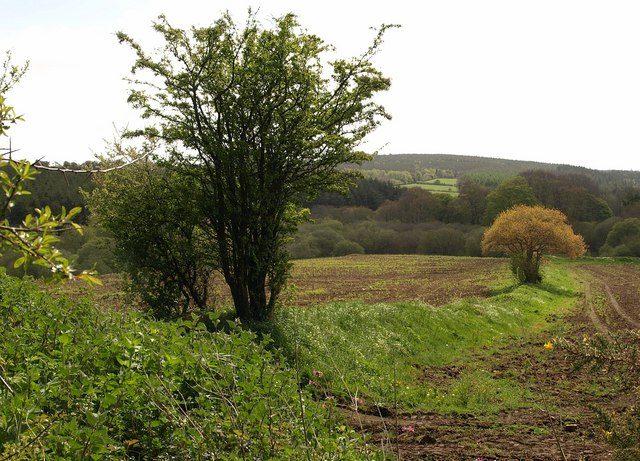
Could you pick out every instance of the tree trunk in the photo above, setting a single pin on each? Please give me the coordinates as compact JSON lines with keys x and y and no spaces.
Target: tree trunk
{"x":532,"y":268}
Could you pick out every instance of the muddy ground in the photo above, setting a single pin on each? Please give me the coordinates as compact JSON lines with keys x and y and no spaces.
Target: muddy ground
{"x":560,"y":424}
{"x":435,"y":280}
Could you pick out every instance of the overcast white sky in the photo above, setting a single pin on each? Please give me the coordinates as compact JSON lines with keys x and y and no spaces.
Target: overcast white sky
{"x":547,"y":80}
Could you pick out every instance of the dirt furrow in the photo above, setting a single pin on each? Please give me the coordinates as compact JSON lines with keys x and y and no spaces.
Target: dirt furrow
{"x":621,"y":312}
{"x":593,"y":316}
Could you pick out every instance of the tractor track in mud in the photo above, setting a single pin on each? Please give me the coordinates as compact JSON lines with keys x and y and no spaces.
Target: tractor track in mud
{"x":565,"y":430}
{"x":611,"y":295}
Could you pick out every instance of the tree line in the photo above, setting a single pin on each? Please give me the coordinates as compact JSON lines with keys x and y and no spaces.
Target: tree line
{"x":373,"y":217}
{"x":377,"y":217}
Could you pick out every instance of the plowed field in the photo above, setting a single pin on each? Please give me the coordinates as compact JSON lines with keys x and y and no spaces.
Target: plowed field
{"x":560,"y":423}
{"x":431,"y":279}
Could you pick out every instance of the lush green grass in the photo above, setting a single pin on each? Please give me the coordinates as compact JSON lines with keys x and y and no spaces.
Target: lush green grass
{"x":394,"y":354}
{"x":439,"y":185}
{"x":78,"y":383}
{"x":443,"y":181}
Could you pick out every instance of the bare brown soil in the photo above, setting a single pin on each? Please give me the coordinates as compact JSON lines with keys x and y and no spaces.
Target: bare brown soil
{"x":559,"y":424}
{"x":391,"y":278}
{"x":379,"y":278}
{"x":612,"y":295}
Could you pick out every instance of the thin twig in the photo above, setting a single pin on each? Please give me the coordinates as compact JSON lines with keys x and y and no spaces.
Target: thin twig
{"x":6,"y":384}
{"x":37,"y":165}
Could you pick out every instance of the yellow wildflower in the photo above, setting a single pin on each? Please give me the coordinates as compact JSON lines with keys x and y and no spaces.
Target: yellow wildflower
{"x":607,"y":434}
{"x":548,"y":345}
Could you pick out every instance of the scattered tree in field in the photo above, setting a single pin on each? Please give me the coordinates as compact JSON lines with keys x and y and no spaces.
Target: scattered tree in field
{"x":253,"y":120}
{"x":526,"y":233}
{"x":35,"y":237}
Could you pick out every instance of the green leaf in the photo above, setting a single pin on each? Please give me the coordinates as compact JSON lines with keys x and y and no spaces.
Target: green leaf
{"x":90,"y":279}
{"x":65,"y":339}
{"x":92,"y":418}
{"x":20,"y":262}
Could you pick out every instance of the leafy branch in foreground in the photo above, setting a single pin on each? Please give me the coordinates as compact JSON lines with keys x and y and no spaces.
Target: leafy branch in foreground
{"x":35,"y":237}
{"x":80,"y":383}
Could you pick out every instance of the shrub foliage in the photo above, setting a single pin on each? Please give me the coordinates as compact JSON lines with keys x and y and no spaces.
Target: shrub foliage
{"x":526,"y":233}
{"x":77,"y":383}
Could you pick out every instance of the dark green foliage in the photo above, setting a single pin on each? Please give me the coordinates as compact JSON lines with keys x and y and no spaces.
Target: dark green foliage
{"x":254,"y":120}
{"x":57,"y":190}
{"x":77,"y":383}
{"x":153,"y":223}
{"x":443,"y":241}
{"x":331,"y":237}
{"x":624,"y":231}
{"x":576,"y":195}
{"x":347,"y":247}
{"x":515,"y":191}
{"x":373,"y":238}
{"x":346,"y":215}
{"x":595,"y":234}
{"x":623,"y":239}
{"x":97,"y":253}
{"x":366,"y":192}
{"x":473,"y":240}
{"x":414,"y":206}
{"x":8,"y":259}
{"x":470,"y":205}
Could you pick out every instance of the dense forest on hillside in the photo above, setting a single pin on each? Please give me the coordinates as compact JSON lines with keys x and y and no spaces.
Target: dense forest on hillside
{"x":385,"y":214}
{"x":443,"y":165}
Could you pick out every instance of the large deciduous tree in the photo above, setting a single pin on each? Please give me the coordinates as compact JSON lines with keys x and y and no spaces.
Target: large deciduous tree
{"x":258,"y":122}
{"x":526,"y":234}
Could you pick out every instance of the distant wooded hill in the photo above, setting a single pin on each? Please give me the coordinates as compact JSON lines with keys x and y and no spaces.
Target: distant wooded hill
{"x":494,"y":170}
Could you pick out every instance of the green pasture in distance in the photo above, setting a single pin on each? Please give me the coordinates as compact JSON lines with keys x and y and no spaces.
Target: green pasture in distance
{"x":438,"y":185}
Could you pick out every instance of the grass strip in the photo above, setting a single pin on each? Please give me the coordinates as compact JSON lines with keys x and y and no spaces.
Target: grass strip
{"x":352,"y":351}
